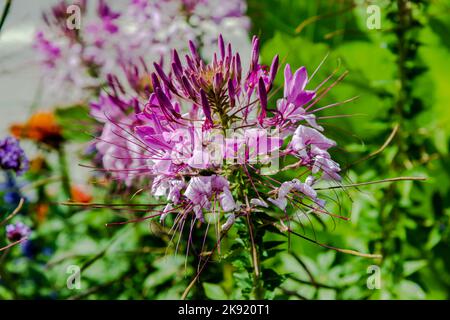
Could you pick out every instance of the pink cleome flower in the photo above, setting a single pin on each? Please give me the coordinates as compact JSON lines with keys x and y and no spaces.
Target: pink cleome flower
{"x":207,"y":138}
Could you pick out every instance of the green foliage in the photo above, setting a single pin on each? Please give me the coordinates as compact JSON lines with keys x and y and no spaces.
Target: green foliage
{"x":76,"y":122}
{"x":400,"y":75}
{"x":407,"y":222}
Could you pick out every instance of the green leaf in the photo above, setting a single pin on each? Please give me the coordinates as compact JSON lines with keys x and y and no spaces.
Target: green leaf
{"x":433,"y":239}
{"x":326,"y":259}
{"x":409,"y":290}
{"x":409,"y":267}
{"x":272,"y":279}
{"x":268,"y":245}
{"x":167,"y":268}
{"x":76,"y":123}
{"x":214,"y":291}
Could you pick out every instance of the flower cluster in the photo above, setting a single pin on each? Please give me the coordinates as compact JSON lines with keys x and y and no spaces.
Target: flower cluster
{"x":209,"y":141}
{"x":12,"y":156}
{"x":142,"y":30}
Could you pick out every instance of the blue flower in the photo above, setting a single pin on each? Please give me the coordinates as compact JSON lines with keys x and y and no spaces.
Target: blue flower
{"x":29,"y":249}
{"x":10,"y":190}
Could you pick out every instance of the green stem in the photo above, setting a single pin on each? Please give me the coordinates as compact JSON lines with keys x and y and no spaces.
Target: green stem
{"x":402,"y":14}
{"x":5,"y":13}
{"x":255,"y":253}
{"x":63,"y":167}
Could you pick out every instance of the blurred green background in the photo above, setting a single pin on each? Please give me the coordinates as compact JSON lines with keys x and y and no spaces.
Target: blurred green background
{"x":399,"y":73}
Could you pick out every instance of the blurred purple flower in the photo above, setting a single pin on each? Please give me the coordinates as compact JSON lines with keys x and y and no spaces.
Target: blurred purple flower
{"x":12,"y":156}
{"x":17,"y":231}
{"x":139,"y":30}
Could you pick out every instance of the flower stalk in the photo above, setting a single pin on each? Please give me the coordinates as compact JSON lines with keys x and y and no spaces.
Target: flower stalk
{"x":255,"y":254}
{"x":64,"y":171}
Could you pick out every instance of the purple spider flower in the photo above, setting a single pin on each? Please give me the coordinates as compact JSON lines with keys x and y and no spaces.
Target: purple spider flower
{"x":202,"y":188}
{"x":205,"y":123}
{"x":311,"y":147}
